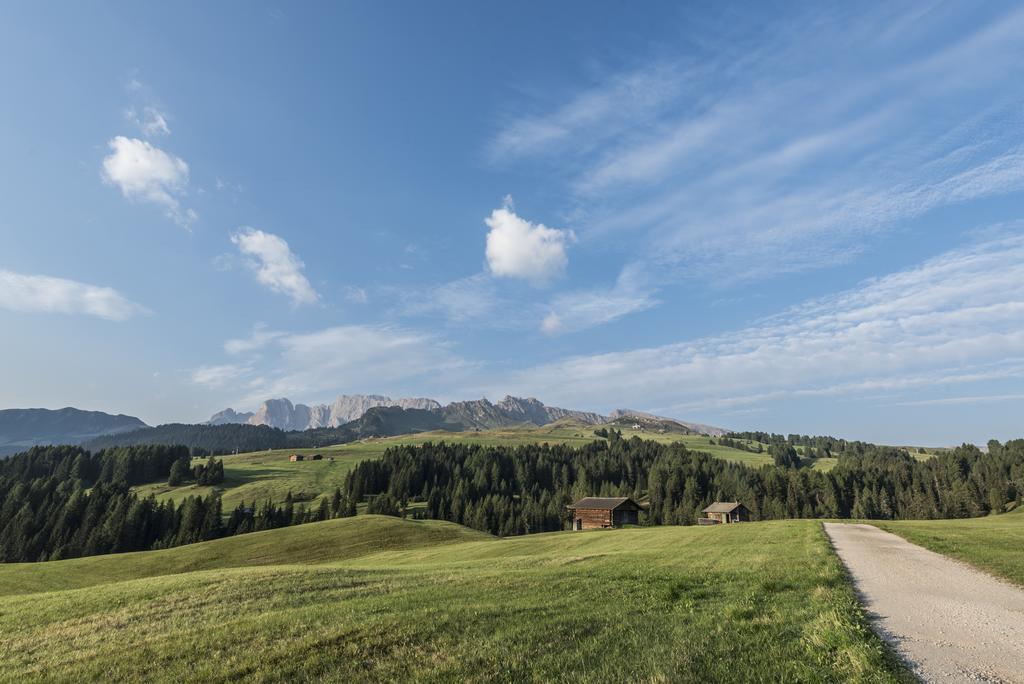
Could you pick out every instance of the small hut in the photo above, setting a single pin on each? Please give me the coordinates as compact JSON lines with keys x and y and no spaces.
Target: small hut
{"x":296,"y":457}
{"x":723,"y":512}
{"x":596,"y":512}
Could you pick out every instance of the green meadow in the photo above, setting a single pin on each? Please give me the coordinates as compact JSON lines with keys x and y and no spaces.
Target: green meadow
{"x":994,"y":543}
{"x":385,"y":599}
{"x":269,"y":475}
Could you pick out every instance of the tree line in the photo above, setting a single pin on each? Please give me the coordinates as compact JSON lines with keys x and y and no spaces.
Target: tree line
{"x":64,"y":502}
{"x":517,"y":490}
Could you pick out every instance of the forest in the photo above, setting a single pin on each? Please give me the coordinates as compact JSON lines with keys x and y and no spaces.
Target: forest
{"x":64,"y":501}
{"x":525,"y":489}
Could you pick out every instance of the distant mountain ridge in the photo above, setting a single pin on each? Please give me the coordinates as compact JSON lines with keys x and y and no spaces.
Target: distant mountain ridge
{"x":476,"y":414}
{"x":284,"y":415}
{"x":481,"y":414}
{"x":23,"y":428}
{"x":699,"y":428}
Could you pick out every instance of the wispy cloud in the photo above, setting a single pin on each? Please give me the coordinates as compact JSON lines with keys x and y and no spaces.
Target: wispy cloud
{"x":581,"y":309}
{"x":219,"y":377}
{"x":260,"y":338}
{"x":739,"y":157}
{"x":46,"y":294}
{"x":322,"y":363}
{"x":147,"y":173}
{"x":274,"y":264}
{"x":473,"y":298}
{"x":977,"y":399}
{"x":150,"y":121}
{"x":954,"y":320}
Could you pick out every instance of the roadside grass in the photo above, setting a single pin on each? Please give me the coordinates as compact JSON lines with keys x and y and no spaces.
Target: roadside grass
{"x":754,"y":602}
{"x":269,"y":475}
{"x":994,"y":543}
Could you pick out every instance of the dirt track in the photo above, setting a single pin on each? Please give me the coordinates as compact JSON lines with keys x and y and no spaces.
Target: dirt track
{"x":950,"y":622}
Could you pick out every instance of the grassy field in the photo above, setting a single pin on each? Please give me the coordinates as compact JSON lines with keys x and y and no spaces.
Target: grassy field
{"x":994,"y":543}
{"x":382,"y":599}
{"x":263,"y":475}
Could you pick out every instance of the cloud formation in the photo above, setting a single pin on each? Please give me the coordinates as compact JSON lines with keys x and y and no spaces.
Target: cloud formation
{"x":275,"y":265}
{"x":351,"y":358}
{"x":582,"y":309}
{"x":152,"y":122}
{"x":219,"y":377}
{"x":955,"y":320}
{"x":147,"y":173}
{"x":45,"y":294}
{"x":517,"y":248}
{"x":737,"y":158}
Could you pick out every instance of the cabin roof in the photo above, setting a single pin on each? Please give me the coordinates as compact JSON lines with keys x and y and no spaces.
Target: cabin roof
{"x":723,"y":507}
{"x":603,"y":503}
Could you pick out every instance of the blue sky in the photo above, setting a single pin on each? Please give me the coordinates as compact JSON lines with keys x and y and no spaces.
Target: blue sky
{"x":793,"y":217}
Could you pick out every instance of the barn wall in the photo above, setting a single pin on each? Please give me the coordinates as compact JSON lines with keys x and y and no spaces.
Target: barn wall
{"x":593,"y":519}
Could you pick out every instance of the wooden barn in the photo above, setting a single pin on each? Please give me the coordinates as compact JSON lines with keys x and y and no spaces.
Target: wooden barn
{"x":722,"y":512}
{"x":296,"y":457}
{"x":595,"y":512}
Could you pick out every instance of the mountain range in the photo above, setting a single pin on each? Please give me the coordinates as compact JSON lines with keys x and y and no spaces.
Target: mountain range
{"x":477,"y":414}
{"x":284,"y":415}
{"x":23,"y":428}
{"x":278,"y":423}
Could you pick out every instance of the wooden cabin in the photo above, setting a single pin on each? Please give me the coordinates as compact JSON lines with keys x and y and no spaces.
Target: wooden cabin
{"x":723,"y":512}
{"x":296,"y":457}
{"x":595,"y":512}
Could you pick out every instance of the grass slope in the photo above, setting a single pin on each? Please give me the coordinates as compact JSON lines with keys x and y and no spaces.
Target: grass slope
{"x":326,"y":542}
{"x":259,"y":476}
{"x":994,"y":543}
{"x":755,"y":602}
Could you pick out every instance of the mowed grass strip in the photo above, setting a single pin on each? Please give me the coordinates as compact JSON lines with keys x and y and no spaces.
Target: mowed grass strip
{"x":994,"y":543}
{"x":755,"y":602}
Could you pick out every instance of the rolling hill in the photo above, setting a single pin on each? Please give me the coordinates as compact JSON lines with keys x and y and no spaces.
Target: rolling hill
{"x":269,"y":475}
{"x":382,"y":599}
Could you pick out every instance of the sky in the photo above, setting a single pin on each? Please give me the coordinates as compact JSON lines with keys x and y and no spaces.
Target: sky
{"x":793,"y":217}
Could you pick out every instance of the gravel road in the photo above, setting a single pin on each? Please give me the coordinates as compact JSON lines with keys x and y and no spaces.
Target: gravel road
{"x":949,"y":622}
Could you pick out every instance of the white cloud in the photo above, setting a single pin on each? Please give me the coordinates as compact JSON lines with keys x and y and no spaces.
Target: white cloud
{"x":275,"y":265}
{"x":152,"y":122}
{"x":957,"y":319}
{"x":147,"y":173}
{"x":45,"y":294}
{"x":517,"y":248}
